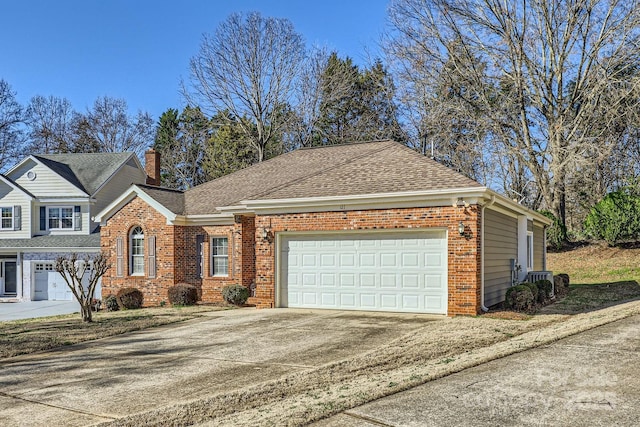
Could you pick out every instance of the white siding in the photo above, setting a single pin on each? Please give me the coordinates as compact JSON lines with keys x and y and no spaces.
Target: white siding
{"x":46,"y":184}
{"x":122,"y":180}
{"x":500,"y":245}
{"x":10,"y":197}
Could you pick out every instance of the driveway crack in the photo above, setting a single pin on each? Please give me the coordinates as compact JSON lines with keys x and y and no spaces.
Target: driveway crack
{"x":368,"y":419}
{"x":63,"y":408}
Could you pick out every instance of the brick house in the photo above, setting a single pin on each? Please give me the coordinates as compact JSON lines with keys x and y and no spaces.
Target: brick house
{"x":369,"y":226}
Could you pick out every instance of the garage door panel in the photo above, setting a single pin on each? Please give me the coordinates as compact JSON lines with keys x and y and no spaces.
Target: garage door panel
{"x":375,"y":271}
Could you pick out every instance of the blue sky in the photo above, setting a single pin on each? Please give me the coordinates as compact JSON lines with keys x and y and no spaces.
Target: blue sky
{"x":140,"y":49}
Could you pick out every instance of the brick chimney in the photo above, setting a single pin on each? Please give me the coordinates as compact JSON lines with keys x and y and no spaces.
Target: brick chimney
{"x":152,"y":166}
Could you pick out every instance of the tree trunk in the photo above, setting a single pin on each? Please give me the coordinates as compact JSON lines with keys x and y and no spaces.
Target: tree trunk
{"x":85,"y":309}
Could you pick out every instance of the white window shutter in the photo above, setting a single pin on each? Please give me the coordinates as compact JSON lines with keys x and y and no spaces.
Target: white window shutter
{"x":77,"y":218}
{"x":119,"y":257}
{"x":151,"y":246}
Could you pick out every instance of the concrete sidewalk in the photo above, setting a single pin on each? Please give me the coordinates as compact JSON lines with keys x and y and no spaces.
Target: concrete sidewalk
{"x":589,"y":379}
{"x":33,"y":309}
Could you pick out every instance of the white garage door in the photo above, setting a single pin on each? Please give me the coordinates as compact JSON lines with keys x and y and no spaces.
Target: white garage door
{"x":404,"y":272}
{"x":49,"y":285}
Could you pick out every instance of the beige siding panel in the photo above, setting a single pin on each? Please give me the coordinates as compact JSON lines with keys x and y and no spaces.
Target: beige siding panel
{"x":538,"y":248}
{"x":529,"y":225}
{"x":500,"y":245}
{"x":117,"y":185}
{"x":46,"y":184}
{"x":10,"y":197}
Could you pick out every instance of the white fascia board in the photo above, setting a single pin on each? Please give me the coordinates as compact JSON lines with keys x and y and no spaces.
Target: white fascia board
{"x":62,"y":200}
{"x":126,"y":197}
{"x":514,"y":209}
{"x":225,"y":218}
{"x":448,"y":197}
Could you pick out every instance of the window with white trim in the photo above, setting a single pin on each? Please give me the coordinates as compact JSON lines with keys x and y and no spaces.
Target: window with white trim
{"x":529,"y":250}
{"x":219,"y":256}
{"x":6,"y":219}
{"x":136,"y":247}
{"x":60,"y":218}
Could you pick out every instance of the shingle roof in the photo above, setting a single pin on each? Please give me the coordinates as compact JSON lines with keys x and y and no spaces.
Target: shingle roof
{"x":87,"y":171}
{"x":350,"y":169}
{"x":68,"y":241}
{"x":340,"y":170}
{"x":170,"y":199}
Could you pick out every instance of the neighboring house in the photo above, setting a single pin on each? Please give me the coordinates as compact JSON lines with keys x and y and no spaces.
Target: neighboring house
{"x":370,"y":226}
{"x":46,"y":205}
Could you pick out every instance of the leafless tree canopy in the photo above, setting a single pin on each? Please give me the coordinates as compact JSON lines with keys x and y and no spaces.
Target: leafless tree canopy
{"x":554,"y":82}
{"x":49,"y":121}
{"x":73,"y":269}
{"x":248,"y":67}
{"x":10,"y":120}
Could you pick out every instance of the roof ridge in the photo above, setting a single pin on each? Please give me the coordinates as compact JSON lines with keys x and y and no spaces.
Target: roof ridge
{"x":334,"y":166}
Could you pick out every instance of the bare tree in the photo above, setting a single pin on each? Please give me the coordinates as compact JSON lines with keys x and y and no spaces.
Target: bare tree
{"x":108,"y":127}
{"x":74,"y":270}
{"x":248,"y":67}
{"x":10,"y":121}
{"x":49,"y":124}
{"x":550,"y":76}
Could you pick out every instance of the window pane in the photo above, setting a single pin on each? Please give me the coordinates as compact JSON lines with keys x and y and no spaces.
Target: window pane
{"x":220,"y":266}
{"x":138,"y":264}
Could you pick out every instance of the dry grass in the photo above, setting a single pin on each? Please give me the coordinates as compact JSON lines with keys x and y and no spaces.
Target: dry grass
{"x":32,"y":335}
{"x":595,"y":264}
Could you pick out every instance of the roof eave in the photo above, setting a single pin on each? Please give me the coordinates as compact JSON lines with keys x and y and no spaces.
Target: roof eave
{"x":133,"y":192}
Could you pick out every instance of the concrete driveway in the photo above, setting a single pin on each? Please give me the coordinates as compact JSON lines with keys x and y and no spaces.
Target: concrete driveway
{"x":113,"y":377}
{"x":589,"y":379}
{"x":33,"y":309}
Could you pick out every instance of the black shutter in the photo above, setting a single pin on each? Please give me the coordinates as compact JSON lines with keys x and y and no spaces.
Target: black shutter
{"x":43,"y":217}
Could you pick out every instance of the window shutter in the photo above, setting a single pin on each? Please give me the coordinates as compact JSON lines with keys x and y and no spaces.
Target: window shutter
{"x":43,"y":218}
{"x":17,"y":217}
{"x":119,"y":257}
{"x":77,"y":218}
{"x":151,"y":246}
{"x":200,"y":255}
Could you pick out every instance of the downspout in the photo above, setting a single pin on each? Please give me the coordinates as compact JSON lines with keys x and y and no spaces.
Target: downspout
{"x":486,"y":205}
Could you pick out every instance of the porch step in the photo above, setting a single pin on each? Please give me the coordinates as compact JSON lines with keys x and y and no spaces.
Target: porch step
{"x":9,"y":299}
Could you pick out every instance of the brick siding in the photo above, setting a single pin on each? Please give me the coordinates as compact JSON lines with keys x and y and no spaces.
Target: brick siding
{"x":252,"y":258}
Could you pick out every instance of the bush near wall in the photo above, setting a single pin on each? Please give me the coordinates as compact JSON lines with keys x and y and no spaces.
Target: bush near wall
{"x":130,"y":298}
{"x":183,"y":294}
{"x":235,"y":294}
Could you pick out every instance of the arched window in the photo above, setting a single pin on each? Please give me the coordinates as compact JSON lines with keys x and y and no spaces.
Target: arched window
{"x":136,"y":249}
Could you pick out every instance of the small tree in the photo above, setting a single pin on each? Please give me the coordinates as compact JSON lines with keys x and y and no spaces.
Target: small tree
{"x":73,"y":270}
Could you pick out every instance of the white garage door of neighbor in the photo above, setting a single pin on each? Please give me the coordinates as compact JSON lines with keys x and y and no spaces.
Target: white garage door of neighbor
{"x":403,"y":272}
{"x":49,"y":284}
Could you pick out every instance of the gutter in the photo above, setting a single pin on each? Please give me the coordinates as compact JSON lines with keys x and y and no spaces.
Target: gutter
{"x":486,"y":205}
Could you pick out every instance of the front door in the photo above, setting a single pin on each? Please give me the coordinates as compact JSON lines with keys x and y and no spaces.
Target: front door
{"x":10,"y":285}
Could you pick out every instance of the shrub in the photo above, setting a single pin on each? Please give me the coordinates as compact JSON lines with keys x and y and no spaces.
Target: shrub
{"x":129,"y":298}
{"x":183,"y":294}
{"x":111,"y":303}
{"x":616,"y":218}
{"x":533,"y":288}
{"x":565,"y":279}
{"x":519,"y":298}
{"x":545,"y":289}
{"x":235,"y":294}
{"x":556,"y":233}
